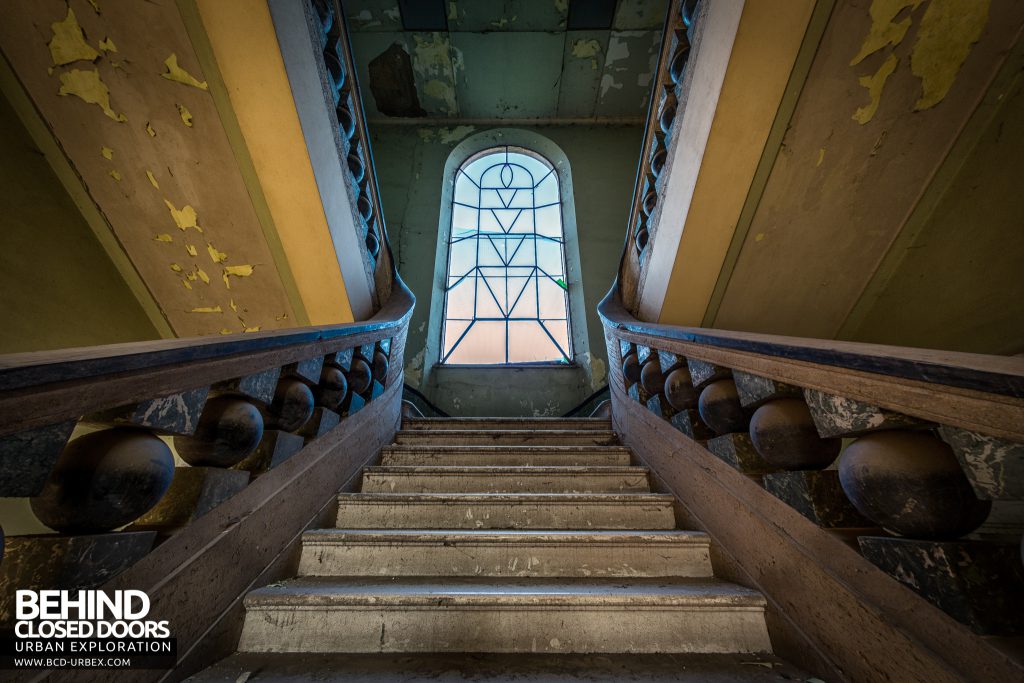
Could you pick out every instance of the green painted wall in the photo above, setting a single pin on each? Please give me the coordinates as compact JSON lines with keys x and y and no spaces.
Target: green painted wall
{"x":410,"y":162}
{"x":58,"y":288}
{"x":960,"y":284}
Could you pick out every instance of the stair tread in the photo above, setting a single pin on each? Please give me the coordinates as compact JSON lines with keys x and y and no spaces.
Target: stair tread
{"x":526,"y":448}
{"x":502,"y":536}
{"x":518,"y":470}
{"x":325,"y":591}
{"x":570,"y":498}
{"x":554,"y":422}
{"x":502,"y":668}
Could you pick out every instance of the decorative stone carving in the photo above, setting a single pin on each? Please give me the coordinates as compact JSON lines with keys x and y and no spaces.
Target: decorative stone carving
{"x":755,"y":390}
{"x":995,"y":467}
{"x":308,"y":369}
{"x":631,"y":368}
{"x":679,"y":391}
{"x":332,"y":388}
{"x":979,"y":584}
{"x":720,"y":408}
{"x":59,"y":562}
{"x":28,"y":457}
{"x":259,"y":386}
{"x":229,"y":430}
{"x":352,"y":404}
{"x":783,"y":433}
{"x":174,"y":414}
{"x":651,"y":378}
{"x":670,"y":361}
{"x":656,"y":405}
{"x":105,"y":480}
{"x":688,"y":422}
{"x":818,"y":496}
{"x":322,"y":421}
{"x":737,"y":450}
{"x":360,"y":376}
{"x":911,"y":484}
{"x":194,"y":492}
{"x":274,"y":449}
{"x":703,"y":373}
{"x":838,"y":416}
{"x":380,"y":366}
{"x":291,"y":407}
{"x":343,"y":359}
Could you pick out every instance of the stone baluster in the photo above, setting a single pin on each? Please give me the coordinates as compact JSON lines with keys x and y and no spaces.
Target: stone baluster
{"x":929,"y":489}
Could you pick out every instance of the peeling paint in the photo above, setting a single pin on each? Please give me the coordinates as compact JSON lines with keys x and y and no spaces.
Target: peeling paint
{"x":115,"y":174}
{"x":874,"y":85}
{"x":184,"y":218}
{"x":186,"y":115}
{"x":414,"y":369}
{"x":944,"y":39}
{"x":201,"y":274}
{"x":215,"y":255}
{"x":607,"y":83}
{"x":432,"y":61}
{"x":163,"y":237}
{"x":107,"y":153}
{"x":449,"y":135}
{"x":504,"y":21}
{"x":178,"y":75}
{"x":821,"y":156}
{"x":68,"y":43}
{"x":207,"y":309}
{"x":88,"y":86}
{"x":153,"y":182}
{"x":598,"y":373}
{"x":883,"y":31}
{"x":191,"y":249}
{"x":149,"y":129}
{"x":586,"y":49}
{"x":107,"y":45}
{"x":176,"y":268}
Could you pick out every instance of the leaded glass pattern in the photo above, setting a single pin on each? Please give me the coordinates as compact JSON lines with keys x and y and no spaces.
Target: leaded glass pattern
{"x":506,"y":292}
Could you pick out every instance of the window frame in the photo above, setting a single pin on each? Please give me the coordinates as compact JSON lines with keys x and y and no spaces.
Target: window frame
{"x":569,"y":354}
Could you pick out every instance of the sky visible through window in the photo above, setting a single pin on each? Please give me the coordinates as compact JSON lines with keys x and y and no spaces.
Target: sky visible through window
{"x":506,"y":297}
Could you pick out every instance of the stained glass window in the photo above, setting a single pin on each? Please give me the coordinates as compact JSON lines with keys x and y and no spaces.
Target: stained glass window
{"x":506,"y":292}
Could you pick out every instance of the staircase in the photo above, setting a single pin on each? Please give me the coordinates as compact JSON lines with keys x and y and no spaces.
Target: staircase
{"x":505,"y":536}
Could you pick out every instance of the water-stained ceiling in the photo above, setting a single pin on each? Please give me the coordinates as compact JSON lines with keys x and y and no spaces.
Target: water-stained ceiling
{"x":510,"y":59}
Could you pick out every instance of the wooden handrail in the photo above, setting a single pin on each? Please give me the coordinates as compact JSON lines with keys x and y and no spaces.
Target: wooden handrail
{"x":973,"y":391}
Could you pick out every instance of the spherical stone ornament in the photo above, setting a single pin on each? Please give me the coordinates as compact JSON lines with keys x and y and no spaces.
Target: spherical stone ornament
{"x":783,"y":433}
{"x":679,"y":391}
{"x":658,"y":160}
{"x":380,"y":366}
{"x":372,"y":243}
{"x":719,"y":407}
{"x":678,"y":66}
{"x":360,"y":376}
{"x":668,"y":116}
{"x":104,"y":480}
{"x":631,"y":367}
{"x":641,"y":238}
{"x":346,"y":121}
{"x":229,"y":430}
{"x":911,"y":484}
{"x":651,"y":378}
{"x":292,"y":405}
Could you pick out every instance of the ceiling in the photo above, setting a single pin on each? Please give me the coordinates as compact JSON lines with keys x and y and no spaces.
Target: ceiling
{"x":511,"y":59}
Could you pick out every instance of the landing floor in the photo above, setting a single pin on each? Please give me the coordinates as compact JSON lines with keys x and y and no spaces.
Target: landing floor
{"x":451,"y":668}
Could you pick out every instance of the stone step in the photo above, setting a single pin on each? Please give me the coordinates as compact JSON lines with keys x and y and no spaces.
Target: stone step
{"x":578,"y":456}
{"x":423,"y":552}
{"x":515,"y":423}
{"x":316,"y":614}
{"x":466,"y":479}
{"x":501,"y":668}
{"x":506,"y":437}
{"x":505,"y":511}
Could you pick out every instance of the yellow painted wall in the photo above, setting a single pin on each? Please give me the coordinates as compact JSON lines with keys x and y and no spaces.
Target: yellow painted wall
{"x":767,"y":42}
{"x":242,"y":36}
{"x":58,"y":288}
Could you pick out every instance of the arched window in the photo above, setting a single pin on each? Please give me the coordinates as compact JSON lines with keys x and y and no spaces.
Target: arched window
{"x":506,"y":297}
